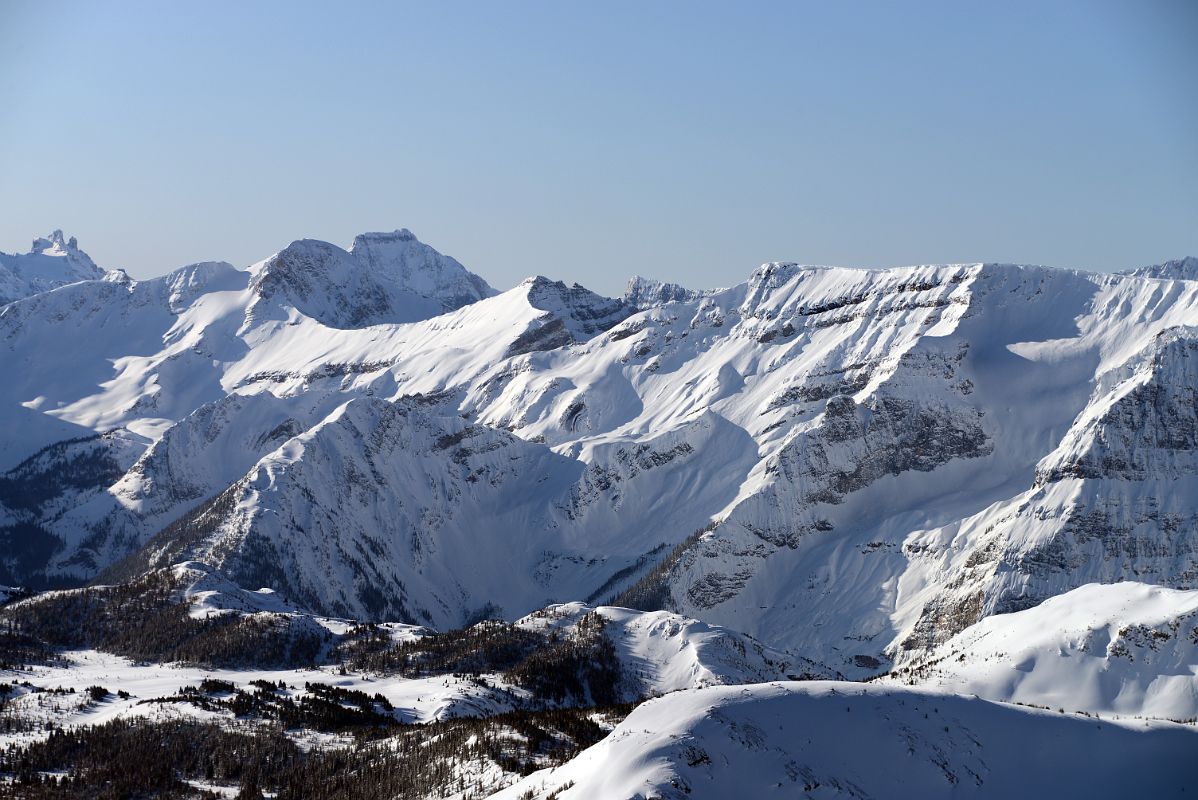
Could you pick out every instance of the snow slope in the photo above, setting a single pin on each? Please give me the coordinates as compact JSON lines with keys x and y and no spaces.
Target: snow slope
{"x":1128,"y":649}
{"x":982,"y":477}
{"x":826,"y":739}
{"x":180,"y":354}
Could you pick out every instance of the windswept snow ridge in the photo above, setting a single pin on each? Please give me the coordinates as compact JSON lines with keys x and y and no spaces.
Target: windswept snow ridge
{"x":826,"y":739}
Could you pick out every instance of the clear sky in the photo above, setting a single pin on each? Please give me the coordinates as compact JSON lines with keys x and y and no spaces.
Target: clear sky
{"x":591,"y":141}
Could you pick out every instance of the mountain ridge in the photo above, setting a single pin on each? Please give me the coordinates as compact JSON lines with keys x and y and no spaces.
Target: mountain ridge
{"x":810,"y":386}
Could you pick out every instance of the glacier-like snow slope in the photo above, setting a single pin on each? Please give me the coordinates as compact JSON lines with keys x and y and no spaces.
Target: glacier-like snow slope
{"x":889,"y":455}
{"x":828,"y":739}
{"x":1126,"y":649}
{"x":51,"y":261}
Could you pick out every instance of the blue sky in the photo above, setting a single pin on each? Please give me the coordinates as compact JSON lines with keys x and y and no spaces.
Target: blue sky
{"x":588,"y":142}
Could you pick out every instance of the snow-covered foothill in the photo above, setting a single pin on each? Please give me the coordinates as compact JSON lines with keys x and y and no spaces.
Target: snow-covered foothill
{"x":830,"y":739}
{"x":661,"y":652}
{"x":658,"y":653}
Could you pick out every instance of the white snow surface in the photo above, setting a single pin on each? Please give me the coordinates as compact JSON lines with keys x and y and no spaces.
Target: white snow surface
{"x":830,"y":739}
{"x":1127,"y":649}
{"x":415,"y":699}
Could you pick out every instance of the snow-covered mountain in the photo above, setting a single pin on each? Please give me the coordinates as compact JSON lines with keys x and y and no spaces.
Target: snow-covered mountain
{"x":661,"y":652}
{"x":974,"y":479}
{"x":51,"y":261}
{"x":892,"y":454}
{"x":383,"y":278}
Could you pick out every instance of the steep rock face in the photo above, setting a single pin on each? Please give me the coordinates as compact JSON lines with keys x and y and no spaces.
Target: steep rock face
{"x":383,"y":278}
{"x":193,"y":462}
{"x":1143,"y":421}
{"x":572,"y":314}
{"x":1113,"y":501}
{"x":419,"y":269}
{"x":861,"y":384}
{"x":51,"y":262}
{"x":46,"y":488}
{"x":405,"y":510}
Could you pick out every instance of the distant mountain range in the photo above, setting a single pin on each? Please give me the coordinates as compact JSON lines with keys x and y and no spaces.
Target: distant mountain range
{"x":883,"y":472}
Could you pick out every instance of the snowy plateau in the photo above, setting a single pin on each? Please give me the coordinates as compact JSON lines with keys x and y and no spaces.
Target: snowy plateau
{"x":354,"y":524}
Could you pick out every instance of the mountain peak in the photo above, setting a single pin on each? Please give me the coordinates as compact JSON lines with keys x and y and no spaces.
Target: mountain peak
{"x":400,"y":235}
{"x":383,"y":278}
{"x":419,"y":268}
{"x":56,"y":243}
{"x":52,"y":261}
